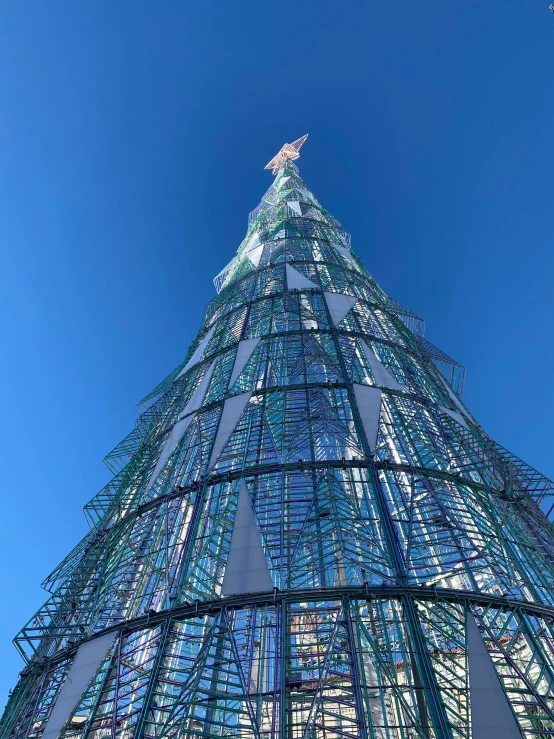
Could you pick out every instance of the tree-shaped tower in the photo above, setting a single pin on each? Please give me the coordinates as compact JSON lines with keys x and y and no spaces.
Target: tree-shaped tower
{"x":307,"y":535}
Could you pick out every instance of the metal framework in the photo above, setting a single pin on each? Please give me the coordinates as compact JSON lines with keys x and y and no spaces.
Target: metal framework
{"x":307,"y":535}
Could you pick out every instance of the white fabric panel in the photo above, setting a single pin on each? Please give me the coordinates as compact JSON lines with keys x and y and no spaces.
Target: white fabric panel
{"x":85,"y":665}
{"x":454,"y":398}
{"x":181,"y":426}
{"x":295,"y":205}
{"x":491,"y":714}
{"x":381,"y":374}
{"x":455,"y":415}
{"x":195,"y":400}
{"x":283,"y":181}
{"x":254,"y":241}
{"x":342,"y":579}
{"x":368,"y":400}
{"x":346,"y":253}
{"x":196,"y":357}
{"x":177,"y":433}
{"x":232,"y":411}
{"x":307,"y":323}
{"x":247,"y":570}
{"x":339,"y":305}
{"x":254,"y":685}
{"x":244,"y":352}
{"x":296,"y":280}
{"x":343,"y":250}
{"x":280,"y":235}
{"x":256,"y":254}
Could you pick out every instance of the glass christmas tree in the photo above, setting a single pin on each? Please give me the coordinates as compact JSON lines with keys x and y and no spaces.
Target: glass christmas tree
{"x":307,"y":534}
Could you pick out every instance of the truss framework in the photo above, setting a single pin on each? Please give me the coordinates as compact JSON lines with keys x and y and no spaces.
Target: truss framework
{"x":385,"y":518}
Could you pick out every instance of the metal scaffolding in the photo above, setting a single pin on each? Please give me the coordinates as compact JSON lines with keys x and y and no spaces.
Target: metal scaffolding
{"x":307,"y":535}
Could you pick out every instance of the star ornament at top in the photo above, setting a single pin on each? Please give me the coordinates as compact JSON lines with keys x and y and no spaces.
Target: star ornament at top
{"x":288,"y":151}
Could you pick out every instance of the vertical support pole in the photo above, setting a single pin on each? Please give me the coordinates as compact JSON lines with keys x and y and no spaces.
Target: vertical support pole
{"x":190,"y":537}
{"x":160,"y":657}
{"x":424,"y":674}
{"x":356,"y":660}
{"x":116,"y":687}
{"x":216,"y":669}
{"x":281,"y":610}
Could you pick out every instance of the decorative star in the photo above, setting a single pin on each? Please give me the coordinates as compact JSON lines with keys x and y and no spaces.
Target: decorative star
{"x":288,"y":151}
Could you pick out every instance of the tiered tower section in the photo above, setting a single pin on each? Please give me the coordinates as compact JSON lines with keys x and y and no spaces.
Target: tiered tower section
{"x":307,"y":534}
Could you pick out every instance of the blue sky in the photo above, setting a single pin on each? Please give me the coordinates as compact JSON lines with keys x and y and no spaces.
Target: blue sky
{"x":133,"y":140}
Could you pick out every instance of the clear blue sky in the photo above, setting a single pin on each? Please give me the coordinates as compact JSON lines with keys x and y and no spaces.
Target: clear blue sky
{"x":133,"y":140}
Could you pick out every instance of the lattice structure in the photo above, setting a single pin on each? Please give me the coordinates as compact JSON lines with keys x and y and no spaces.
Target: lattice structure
{"x":307,"y":534}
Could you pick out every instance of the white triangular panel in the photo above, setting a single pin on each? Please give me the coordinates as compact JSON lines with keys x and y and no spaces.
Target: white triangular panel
{"x":178,"y":430}
{"x":346,"y":253}
{"x":455,"y":400}
{"x":253,"y":242}
{"x":88,"y":659}
{"x":368,"y":400}
{"x":232,"y":411}
{"x":177,"y":433}
{"x":199,"y":351}
{"x":247,"y":570}
{"x":295,"y":205}
{"x":244,"y":352}
{"x":491,"y":714}
{"x":296,"y":280}
{"x":339,"y":305}
{"x":283,"y":181}
{"x":256,"y":254}
{"x":381,"y":374}
{"x":455,"y":415}
{"x":306,"y":193}
{"x":342,"y":250}
{"x":280,"y":234}
{"x":195,"y":400}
